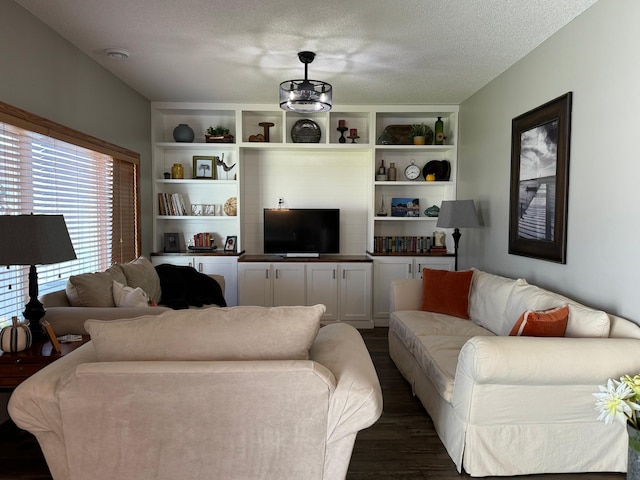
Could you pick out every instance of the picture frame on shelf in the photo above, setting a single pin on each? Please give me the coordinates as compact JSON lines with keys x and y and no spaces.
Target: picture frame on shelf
{"x":405,"y":207}
{"x":540,"y":181}
{"x":231,"y":243}
{"x":172,"y":242}
{"x":204,"y":167}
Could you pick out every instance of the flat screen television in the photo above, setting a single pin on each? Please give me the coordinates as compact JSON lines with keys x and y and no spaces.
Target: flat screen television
{"x":302,"y":231}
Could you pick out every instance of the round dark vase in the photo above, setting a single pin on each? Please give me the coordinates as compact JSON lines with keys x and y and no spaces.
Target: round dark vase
{"x":183,"y":133}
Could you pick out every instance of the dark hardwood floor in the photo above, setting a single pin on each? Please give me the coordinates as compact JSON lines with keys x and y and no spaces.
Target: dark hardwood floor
{"x":402,"y":445}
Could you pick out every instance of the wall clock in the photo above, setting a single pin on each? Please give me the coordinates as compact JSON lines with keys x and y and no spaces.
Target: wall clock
{"x":412,"y":171}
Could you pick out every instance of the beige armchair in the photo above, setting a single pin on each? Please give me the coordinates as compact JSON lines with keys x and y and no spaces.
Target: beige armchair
{"x":229,"y":393}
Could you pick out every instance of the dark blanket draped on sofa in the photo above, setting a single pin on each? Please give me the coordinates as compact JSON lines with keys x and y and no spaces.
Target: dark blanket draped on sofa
{"x":184,"y":286}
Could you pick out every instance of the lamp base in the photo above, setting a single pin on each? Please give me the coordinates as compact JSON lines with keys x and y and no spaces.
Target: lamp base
{"x":34,"y":310}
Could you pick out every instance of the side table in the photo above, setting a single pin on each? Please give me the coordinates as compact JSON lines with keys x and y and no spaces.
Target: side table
{"x":17,"y":367}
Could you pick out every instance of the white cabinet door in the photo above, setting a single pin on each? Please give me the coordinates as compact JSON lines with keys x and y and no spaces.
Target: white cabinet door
{"x":225,"y":266}
{"x":288,"y":283}
{"x":254,"y":284}
{"x":322,"y":287}
{"x":435,"y":263}
{"x":355,"y":292}
{"x":385,"y":270}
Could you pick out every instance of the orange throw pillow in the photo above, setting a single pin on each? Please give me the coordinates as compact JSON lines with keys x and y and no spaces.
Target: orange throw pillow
{"x":546,"y":323}
{"x":446,"y":292}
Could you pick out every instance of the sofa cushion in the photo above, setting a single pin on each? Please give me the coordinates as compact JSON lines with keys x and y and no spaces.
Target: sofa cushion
{"x":90,"y":290}
{"x":488,"y":299}
{"x":124,"y":296}
{"x":235,"y":333}
{"x":583,"y":321}
{"x":141,"y":273}
{"x":587,"y":322}
{"x":546,"y":323}
{"x":446,"y":292}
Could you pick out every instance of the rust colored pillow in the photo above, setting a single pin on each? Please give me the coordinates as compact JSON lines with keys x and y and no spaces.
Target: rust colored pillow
{"x":446,"y":292}
{"x":545,"y":323}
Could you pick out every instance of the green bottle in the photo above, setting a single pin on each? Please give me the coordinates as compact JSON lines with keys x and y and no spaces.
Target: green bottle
{"x":439,"y":132}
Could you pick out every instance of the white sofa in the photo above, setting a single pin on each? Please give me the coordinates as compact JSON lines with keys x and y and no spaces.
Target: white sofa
{"x":94,"y":295}
{"x":228,"y":393}
{"x":514,"y":405}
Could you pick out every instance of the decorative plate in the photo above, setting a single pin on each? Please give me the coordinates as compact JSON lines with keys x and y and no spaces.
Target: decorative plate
{"x":440,"y":168}
{"x":305,"y":131}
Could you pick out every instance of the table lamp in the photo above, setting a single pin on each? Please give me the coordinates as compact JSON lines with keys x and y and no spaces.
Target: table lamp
{"x":34,"y":240}
{"x":457,"y":214}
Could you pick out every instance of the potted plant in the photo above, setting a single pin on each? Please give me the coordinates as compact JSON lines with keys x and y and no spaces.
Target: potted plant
{"x":218,"y":134}
{"x":419,"y":133}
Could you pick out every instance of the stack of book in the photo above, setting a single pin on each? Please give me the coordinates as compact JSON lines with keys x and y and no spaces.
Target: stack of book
{"x":202,"y":240}
{"x":171,"y":204}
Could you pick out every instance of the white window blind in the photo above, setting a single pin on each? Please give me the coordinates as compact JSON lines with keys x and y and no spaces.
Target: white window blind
{"x":96,"y":193}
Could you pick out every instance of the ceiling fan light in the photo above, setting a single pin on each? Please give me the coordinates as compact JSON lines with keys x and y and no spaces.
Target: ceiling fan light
{"x":304,"y":95}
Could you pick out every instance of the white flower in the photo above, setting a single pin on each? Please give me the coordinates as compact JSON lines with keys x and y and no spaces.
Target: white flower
{"x":614,"y":402}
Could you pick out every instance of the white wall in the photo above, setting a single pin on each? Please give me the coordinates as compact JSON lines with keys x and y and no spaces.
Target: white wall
{"x":44,"y":74}
{"x":317,"y":179}
{"x":595,"y":57}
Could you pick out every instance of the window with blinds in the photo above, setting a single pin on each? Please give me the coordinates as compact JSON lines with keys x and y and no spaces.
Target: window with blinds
{"x":96,"y":192}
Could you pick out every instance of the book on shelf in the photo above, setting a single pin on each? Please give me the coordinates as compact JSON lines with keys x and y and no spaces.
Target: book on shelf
{"x":409,"y":245}
{"x":171,"y":204}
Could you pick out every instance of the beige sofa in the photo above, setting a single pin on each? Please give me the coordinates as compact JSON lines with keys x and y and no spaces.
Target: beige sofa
{"x":514,"y":405}
{"x":93,"y":295}
{"x":228,"y":393}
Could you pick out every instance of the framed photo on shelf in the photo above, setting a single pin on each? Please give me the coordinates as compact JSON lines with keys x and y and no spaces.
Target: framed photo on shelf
{"x":540,"y":181}
{"x":204,"y":167}
{"x":172,"y":242}
{"x":231,"y":243}
{"x":405,"y":207}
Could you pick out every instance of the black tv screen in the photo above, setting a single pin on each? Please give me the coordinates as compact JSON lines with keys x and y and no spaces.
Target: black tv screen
{"x":302,"y":230}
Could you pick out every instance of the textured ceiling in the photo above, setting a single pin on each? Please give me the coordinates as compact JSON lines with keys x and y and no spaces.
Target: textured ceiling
{"x":372,"y":51}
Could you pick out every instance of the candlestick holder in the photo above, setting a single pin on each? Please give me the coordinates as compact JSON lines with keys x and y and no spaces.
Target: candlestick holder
{"x":342,"y":130}
{"x":266,"y":126}
{"x":353,"y":138}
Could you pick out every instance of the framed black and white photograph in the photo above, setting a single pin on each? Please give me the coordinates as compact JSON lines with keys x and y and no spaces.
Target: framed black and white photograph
{"x":171,"y":242}
{"x":204,"y":167}
{"x":231,"y":243}
{"x":540,"y":142}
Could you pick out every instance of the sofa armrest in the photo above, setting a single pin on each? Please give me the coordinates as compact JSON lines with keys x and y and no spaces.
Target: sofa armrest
{"x":537,"y":380}
{"x":357,"y":401}
{"x":547,"y":361}
{"x":33,"y":405}
{"x":405,"y":294}
{"x":55,"y":299}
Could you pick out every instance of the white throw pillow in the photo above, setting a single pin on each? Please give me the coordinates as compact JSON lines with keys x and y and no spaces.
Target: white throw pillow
{"x":488,"y":299}
{"x":124,"y":296}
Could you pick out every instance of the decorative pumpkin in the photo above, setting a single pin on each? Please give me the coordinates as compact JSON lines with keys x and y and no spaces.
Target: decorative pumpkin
{"x":15,"y":338}
{"x":231,"y":207}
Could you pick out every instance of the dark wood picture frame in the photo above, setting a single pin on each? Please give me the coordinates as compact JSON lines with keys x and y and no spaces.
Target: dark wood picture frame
{"x":172,"y":242}
{"x":540,"y":141}
{"x":204,"y":167}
